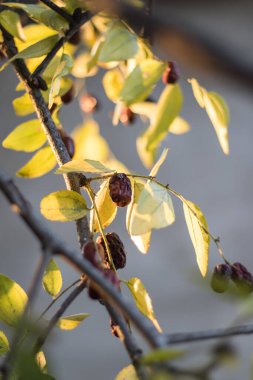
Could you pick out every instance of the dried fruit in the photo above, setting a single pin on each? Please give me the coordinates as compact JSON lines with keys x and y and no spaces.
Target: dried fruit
{"x":242,"y":278}
{"x":171,"y":74}
{"x":221,"y":277}
{"x":120,"y":189}
{"x":94,"y":253}
{"x":88,"y":103}
{"x":68,"y":96}
{"x":117,"y":249}
{"x":127,"y":116}
{"x":70,"y":145}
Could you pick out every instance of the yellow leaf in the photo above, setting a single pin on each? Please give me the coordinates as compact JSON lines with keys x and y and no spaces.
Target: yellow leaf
{"x":41,"y":361}
{"x":159,"y":163}
{"x":52,"y":279}
{"x":83,"y":166}
{"x":41,"y":163}
{"x":4,"y":344}
{"x":147,"y":156}
{"x":142,"y":300}
{"x":179,"y":126}
{"x":127,"y":373}
{"x":26,"y":137}
{"x":72,"y":321}
{"x":107,"y":209}
{"x":81,"y":67}
{"x":63,"y":206}
{"x":147,"y":109}
{"x":198,"y":229}
{"x":113,"y":82}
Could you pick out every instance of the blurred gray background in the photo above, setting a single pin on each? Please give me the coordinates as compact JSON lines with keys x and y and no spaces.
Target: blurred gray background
{"x":196,"y":167}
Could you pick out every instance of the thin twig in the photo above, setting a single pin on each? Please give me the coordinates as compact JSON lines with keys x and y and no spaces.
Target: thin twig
{"x":59,"y":10}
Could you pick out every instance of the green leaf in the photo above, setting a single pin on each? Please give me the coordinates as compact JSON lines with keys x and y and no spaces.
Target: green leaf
{"x":179,"y":126}
{"x":198,"y":230}
{"x":63,"y":206}
{"x":154,"y":210}
{"x":43,"y":15}
{"x":83,"y":166}
{"x":141,"y":81}
{"x":63,"y":69}
{"x":107,"y":209}
{"x":72,"y":321}
{"x":161,"y":355}
{"x":41,"y":163}
{"x":38,"y":49}
{"x":127,"y":373}
{"x":217,"y":111}
{"x":113,"y":82}
{"x":159,"y":163}
{"x":120,"y":44}
{"x":142,"y":300}
{"x":168,"y":107}
{"x":26,"y":137}
{"x":11,"y":22}
{"x":4,"y":344}
{"x":52,"y":279}
{"x":13,"y":300}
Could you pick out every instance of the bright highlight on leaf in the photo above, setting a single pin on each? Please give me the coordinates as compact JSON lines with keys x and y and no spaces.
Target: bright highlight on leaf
{"x":13,"y":300}
{"x":159,"y":163}
{"x":83,"y":166}
{"x":142,"y":300}
{"x":127,"y":373}
{"x":72,"y":321}
{"x":63,"y":206}
{"x":113,"y":82}
{"x":198,"y":230}
{"x":41,"y":163}
{"x":217,"y":111}
{"x":52,"y":279}
{"x":179,"y":126}
{"x":26,"y":137}
{"x":4,"y":344}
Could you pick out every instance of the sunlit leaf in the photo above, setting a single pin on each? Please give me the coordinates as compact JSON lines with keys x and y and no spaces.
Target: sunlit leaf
{"x":63,"y":206}
{"x":52,"y":279}
{"x":107,"y":209}
{"x":23,"y":105}
{"x":13,"y":300}
{"x":26,"y":137}
{"x":159,"y":163}
{"x":113,"y":82}
{"x":33,"y":33}
{"x":198,"y":230}
{"x":11,"y":22}
{"x":72,"y":321}
{"x":179,"y":126}
{"x":82,"y":66}
{"x":120,"y":44}
{"x":154,"y":210}
{"x":141,"y":81}
{"x":127,"y":373}
{"x":41,"y":163}
{"x":147,"y":109}
{"x":4,"y":344}
{"x":41,"y":361}
{"x":161,"y":355}
{"x":142,"y":300}
{"x":83,"y":166}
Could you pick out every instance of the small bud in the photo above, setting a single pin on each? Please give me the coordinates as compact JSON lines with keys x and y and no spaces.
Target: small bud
{"x":88,"y":103}
{"x":220,"y":278}
{"x":120,"y":189}
{"x":117,"y":249}
{"x":70,"y":145}
{"x":127,"y":116}
{"x":115,"y":329}
{"x":68,"y":96}
{"x":242,"y":278}
{"x":94,"y":253}
{"x":171,"y":74}
{"x":75,"y":39}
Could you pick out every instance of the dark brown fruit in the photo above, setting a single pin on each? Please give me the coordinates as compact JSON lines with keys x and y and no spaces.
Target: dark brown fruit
{"x":221,"y":277}
{"x":127,"y":116}
{"x":68,"y":96}
{"x":171,"y":74}
{"x":70,"y":145}
{"x":120,"y":189}
{"x":94,"y":253}
{"x":242,"y":278}
{"x":75,"y":39}
{"x":88,"y":103}
{"x":117,"y":249}
{"x":93,"y":294}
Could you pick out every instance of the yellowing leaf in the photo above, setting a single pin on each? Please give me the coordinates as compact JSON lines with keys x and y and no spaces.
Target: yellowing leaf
{"x":11,"y":22}
{"x":41,"y":361}
{"x":198,"y":230}
{"x":13,"y":300}
{"x":82,"y":67}
{"x":72,"y":321}
{"x":33,"y":33}
{"x":159,"y":163}
{"x":142,"y":300}
{"x":217,"y":111}
{"x":23,"y":105}
{"x":154,"y":210}
{"x":179,"y":126}
{"x":141,"y":81}
{"x":63,"y":206}
{"x":4,"y":344}
{"x":41,"y":163}
{"x":127,"y":373}
{"x":113,"y":82}
{"x":52,"y":279}
{"x":120,"y":44}
{"x":26,"y":137}
{"x":107,"y":209}
{"x":147,"y":109}
{"x":83,"y":166}
{"x":142,"y":242}
{"x":161,"y":355}
{"x":168,"y":107}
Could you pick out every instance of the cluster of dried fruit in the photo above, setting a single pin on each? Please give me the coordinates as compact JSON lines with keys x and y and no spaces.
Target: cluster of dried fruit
{"x":236,"y":272}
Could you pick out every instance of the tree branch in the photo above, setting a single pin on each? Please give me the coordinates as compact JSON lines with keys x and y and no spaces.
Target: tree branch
{"x":59,"y":10}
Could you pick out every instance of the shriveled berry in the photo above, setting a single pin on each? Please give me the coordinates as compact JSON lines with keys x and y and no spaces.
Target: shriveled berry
{"x":68,"y":96}
{"x":70,"y":145}
{"x":171,"y":74}
{"x":242,"y":278}
{"x":127,"y":116}
{"x":75,"y":39}
{"x":120,"y":189}
{"x":88,"y":103}
{"x":94,"y":253}
{"x":117,"y":249}
{"x":221,"y":277}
